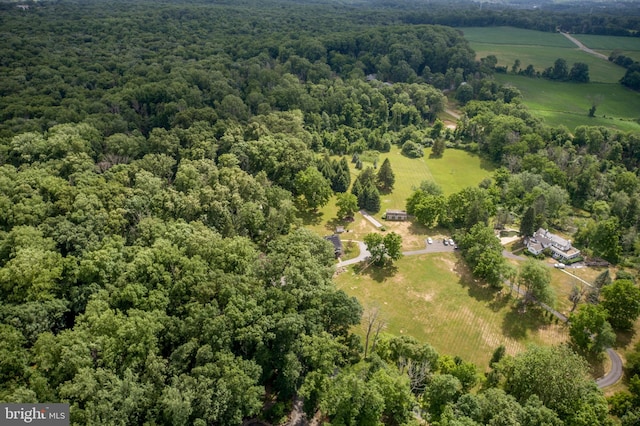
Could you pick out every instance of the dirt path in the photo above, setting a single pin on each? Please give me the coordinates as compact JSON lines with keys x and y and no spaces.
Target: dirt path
{"x":585,"y":48}
{"x":452,"y":113}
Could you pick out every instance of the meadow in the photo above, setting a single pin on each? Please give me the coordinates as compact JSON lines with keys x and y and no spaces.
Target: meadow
{"x":538,"y":49}
{"x":628,"y":46}
{"x":433,"y":298}
{"x":568,"y":103}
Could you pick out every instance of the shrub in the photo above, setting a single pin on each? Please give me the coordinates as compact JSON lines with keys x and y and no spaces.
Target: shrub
{"x":412,"y":149}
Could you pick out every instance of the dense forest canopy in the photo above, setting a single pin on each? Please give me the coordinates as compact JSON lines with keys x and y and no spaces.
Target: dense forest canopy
{"x":154,"y":159}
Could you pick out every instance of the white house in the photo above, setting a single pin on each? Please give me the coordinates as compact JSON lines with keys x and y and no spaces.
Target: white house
{"x":561,"y":249}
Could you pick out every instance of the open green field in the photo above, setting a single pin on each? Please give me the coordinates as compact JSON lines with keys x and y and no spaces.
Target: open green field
{"x":432,"y":298}
{"x":568,"y":103}
{"x":628,"y":46}
{"x":515,"y":36}
{"x":537,"y":48}
{"x":455,"y":171}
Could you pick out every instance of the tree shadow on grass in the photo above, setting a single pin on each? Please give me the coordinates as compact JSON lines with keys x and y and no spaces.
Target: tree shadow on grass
{"x":475,"y":288}
{"x":624,"y":338}
{"x":487,"y":164}
{"x":501,"y":299}
{"x":332,"y":224}
{"x":520,"y":321}
{"x":376,"y":273}
{"x":310,"y":217}
{"x":417,"y":228}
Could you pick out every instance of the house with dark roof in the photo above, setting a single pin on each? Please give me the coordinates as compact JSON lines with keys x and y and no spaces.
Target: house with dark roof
{"x":560,"y":248}
{"x":337,"y":244}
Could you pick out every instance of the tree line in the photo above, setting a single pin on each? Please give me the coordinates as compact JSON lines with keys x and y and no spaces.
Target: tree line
{"x":153,"y":166}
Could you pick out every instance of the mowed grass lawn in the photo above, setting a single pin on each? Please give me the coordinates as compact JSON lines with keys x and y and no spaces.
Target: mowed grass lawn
{"x":453,"y":172}
{"x":568,"y":103}
{"x":432,"y":298}
{"x":537,"y":48}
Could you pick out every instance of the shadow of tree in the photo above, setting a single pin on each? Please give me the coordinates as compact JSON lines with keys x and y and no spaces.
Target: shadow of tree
{"x":500,"y":300}
{"x":596,"y":363}
{"x":487,"y":164}
{"x":521,"y":320}
{"x":624,"y":338}
{"x":310,"y":217}
{"x":417,"y":228}
{"x":377,"y":273}
{"x":475,"y":288}
{"x":332,"y":224}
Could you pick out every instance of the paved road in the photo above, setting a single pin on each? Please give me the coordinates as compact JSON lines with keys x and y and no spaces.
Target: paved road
{"x":585,"y":48}
{"x":364,"y":253}
{"x":612,"y":377}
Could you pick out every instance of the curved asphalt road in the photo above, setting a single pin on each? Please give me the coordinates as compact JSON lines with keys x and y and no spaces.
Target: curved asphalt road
{"x":608,"y":379}
{"x":612,"y":377}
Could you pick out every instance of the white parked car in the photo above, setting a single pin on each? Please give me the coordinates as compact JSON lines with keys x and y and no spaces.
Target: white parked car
{"x":429,"y":240}
{"x":451,"y":243}
{"x":559,"y":265}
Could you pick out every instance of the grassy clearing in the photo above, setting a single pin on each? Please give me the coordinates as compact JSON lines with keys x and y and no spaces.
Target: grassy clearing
{"x":538,"y":49}
{"x":432,"y":298}
{"x":454,"y":171}
{"x":568,"y":103}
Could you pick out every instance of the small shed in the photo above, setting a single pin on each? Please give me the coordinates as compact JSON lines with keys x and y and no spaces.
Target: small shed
{"x":337,"y":244}
{"x":396,"y":215}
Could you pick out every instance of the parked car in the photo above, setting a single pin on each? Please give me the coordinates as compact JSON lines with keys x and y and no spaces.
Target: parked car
{"x":445,"y":242}
{"x":429,"y":240}
{"x":451,"y":243}
{"x":559,"y":265}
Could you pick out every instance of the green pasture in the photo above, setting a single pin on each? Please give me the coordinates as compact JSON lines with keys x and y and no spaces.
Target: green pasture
{"x":455,"y":171}
{"x":568,"y":103}
{"x":432,"y":298}
{"x":538,"y":49}
{"x":515,"y":36}
{"x":628,"y":46}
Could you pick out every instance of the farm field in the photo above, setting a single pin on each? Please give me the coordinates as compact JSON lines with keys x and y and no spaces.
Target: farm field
{"x":537,"y":48}
{"x":568,"y":103}
{"x":628,"y":46}
{"x":432,"y":298}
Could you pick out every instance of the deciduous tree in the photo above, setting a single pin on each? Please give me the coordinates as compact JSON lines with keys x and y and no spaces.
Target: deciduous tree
{"x":622,"y":302}
{"x":536,"y":279}
{"x":589,"y":329}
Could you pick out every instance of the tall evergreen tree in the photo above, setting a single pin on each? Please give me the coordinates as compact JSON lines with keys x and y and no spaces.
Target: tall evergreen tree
{"x":527,"y":223}
{"x":341,"y":176}
{"x":385,"y":178}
